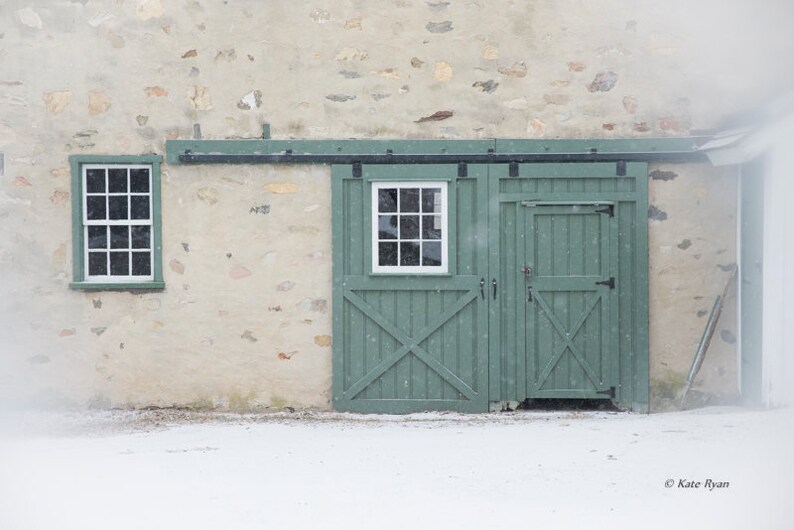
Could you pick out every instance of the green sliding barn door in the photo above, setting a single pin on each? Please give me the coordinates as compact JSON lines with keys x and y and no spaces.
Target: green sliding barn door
{"x":414,"y":336}
{"x":499,"y":283}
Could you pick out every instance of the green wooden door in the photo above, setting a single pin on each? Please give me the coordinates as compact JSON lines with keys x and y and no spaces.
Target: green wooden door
{"x":410,"y":340}
{"x":569,"y":297}
{"x":569,"y":251}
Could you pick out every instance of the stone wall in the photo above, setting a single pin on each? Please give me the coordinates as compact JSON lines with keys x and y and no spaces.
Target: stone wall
{"x":245,"y":318}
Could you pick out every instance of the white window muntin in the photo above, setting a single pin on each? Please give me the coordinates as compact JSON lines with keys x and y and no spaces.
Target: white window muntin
{"x":140,"y":224}
{"x":439,"y":210}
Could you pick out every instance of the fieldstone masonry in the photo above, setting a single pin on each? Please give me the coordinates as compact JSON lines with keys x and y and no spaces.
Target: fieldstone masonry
{"x":245,"y":319}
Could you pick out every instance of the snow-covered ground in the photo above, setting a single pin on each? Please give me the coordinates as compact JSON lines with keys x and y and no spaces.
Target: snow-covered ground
{"x":593,"y":470}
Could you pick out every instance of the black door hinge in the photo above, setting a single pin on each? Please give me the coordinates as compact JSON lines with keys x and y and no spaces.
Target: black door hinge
{"x":608,"y":209}
{"x":357,"y":172}
{"x":608,"y":392}
{"x":609,"y":283}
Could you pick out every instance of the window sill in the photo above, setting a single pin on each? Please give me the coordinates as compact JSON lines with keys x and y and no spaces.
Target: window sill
{"x":95,"y":286}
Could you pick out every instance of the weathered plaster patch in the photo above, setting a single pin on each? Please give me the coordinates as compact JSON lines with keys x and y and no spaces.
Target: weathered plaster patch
{"x":115,"y":40}
{"x":314,"y":305}
{"x":630,"y":104}
{"x":285,"y":286}
{"x":556,"y":99}
{"x":321,"y":16}
{"x":59,"y":197}
{"x":353,"y":23}
{"x":226,"y":55}
{"x":727,"y":336}
{"x":536,"y":127}
{"x":340,"y":98}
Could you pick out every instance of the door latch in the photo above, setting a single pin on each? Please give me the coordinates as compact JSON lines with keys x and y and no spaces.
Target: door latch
{"x":482,"y":288}
{"x":493,"y":282}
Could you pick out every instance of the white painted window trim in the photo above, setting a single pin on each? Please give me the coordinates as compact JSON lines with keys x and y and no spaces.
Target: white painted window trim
{"x":108,"y":278}
{"x":444,"y":213}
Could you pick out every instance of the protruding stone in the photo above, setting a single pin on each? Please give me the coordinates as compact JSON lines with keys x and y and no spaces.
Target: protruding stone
{"x":177,"y":266}
{"x":486,"y":86}
{"x":59,"y":197}
{"x":199,"y":97}
{"x":576,"y":66}
{"x":389,"y":73}
{"x":99,"y":330}
{"x":30,"y":18}
{"x":314,"y":305}
{"x":630,"y":104}
{"x":68,"y":332}
{"x":190,"y":53}
{"x":655,"y":214}
{"x":340,"y":98}
{"x":208,"y":195}
{"x":490,"y":53}
{"x":286,"y":356}
{"x":239,"y":272}
{"x":249,"y":336}
{"x":226,"y":55}
{"x":323,"y":341}
{"x":684,"y":244}
{"x":536,"y":127}
{"x":349,"y":74}
{"x":437,"y":116}
{"x":98,"y":102}
{"x":285,"y":286}
{"x":142,"y":120}
{"x":57,"y":101}
{"x":250,"y":101}
{"x":417,"y":63}
{"x":22,"y":182}
{"x":519,"y":69}
{"x":603,"y":82}
{"x":556,"y":99}
{"x":353,"y":23}
{"x":658,"y":174}
{"x":641,"y":127}
{"x":115,"y":40}
{"x":280,"y":188}
{"x":149,"y":9}
{"x":321,"y":16}
{"x":439,"y":27}
{"x":727,"y":336}
{"x":517,"y":104}
{"x":156,"y":92}
{"x":351,"y":54}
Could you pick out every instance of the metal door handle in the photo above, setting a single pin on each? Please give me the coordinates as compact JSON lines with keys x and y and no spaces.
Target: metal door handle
{"x":529,"y":293}
{"x":482,"y":288}
{"x":493,"y":282}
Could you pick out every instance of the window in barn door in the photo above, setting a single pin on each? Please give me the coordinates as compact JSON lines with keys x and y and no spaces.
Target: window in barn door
{"x":409,"y":227}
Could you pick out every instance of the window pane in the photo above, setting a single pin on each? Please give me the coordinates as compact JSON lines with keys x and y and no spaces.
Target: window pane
{"x":141,"y":236}
{"x":431,"y":254}
{"x":409,"y":227}
{"x":431,"y":200}
{"x":139,"y":180}
{"x":141,"y":264}
{"x":387,"y":227}
{"x":95,"y":181}
{"x":118,"y":207}
{"x":387,"y":200}
{"x":409,"y":200}
{"x":387,"y":253}
{"x":139,"y":207}
{"x":117,"y":180}
{"x":431,"y":227}
{"x":119,"y":237}
{"x":97,"y":237}
{"x":409,"y":254}
{"x":97,"y":263}
{"x":96,"y":207}
{"x":119,"y":263}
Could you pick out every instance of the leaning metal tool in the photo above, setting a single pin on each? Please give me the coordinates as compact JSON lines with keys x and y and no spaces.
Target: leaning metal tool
{"x":705,"y":340}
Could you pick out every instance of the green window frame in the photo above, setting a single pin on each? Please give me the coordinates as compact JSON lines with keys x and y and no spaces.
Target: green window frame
{"x":151,"y":274}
